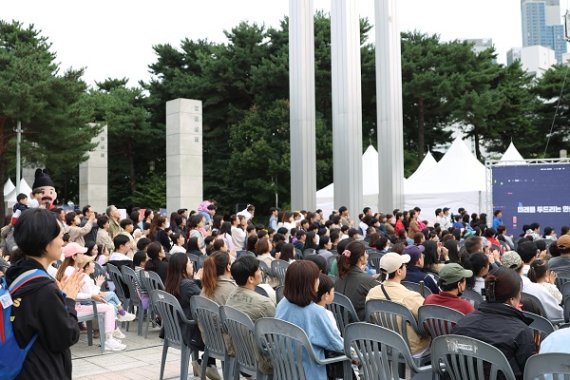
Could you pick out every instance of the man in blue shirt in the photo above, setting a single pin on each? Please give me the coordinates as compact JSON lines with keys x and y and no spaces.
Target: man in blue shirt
{"x":273,"y":218}
{"x":497,"y":219}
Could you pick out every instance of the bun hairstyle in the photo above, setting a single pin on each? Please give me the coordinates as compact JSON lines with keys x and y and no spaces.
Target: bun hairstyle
{"x":350,"y":257}
{"x":502,"y":284}
{"x":538,"y":270}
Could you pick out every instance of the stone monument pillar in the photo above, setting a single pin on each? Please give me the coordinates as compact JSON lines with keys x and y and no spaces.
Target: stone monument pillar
{"x":93,"y":175}
{"x":302,"y":105}
{"x":389,"y":106}
{"x":184,"y":166}
{"x":346,"y":105}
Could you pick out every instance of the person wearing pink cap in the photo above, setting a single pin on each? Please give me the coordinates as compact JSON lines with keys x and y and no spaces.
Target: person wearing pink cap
{"x":393,"y":266}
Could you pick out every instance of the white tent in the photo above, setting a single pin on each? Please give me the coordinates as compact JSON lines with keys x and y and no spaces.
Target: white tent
{"x":8,"y":187}
{"x":458,"y":180}
{"x":427,"y":163}
{"x":11,"y":197}
{"x":511,"y":156}
{"x":325,"y":196}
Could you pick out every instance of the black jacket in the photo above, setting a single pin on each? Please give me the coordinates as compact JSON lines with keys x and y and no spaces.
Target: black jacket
{"x":503,"y":327}
{"x":192,"y":336}
{"x":41,"y":308}
{"x":355,"y":285}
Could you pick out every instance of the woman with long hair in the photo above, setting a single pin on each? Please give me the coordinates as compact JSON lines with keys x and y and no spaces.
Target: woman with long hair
{"x":226,"y":234}
{"x":298,"y":307}
{"x":196,"y":225}
{"x":353,"y":280}
{"x":156,"y":260}
{"x":178,"y":243}
{"x":158,"y":232}
{"x":540,"y":274}
{"x":217,"y":283}
{"x":46,"y":307}
{"x":183,"y":283}
{"x":479,"y":264}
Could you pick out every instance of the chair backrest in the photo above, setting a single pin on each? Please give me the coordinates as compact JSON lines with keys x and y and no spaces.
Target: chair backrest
{"x":378,"y":349}
{"x":285,"y":344}
{"x":415,"y":287}
{"x":264,"y":269}
{"x":343,"y":311}
{"x":374,"y":260}
{"x":309,"y":251}
{"x":171,"y":315}
{"x":117,"y":278}
{"x":207,"y":313}
{"x":279,"y":293}
{"x":562,"y":276}
{"x":473,"y":297}
{"x":551,"y":365}
{"x":536,"y":302}
{"x":130,"y":278}
{"x":462,"y":357}
{"x":242,"y":332}
{"x":99,"y":270}
{"x":438,"y":320}
{"x":279,"y":267}
{"x":298,"y":254}
{"x":260,"y":290}
{"x":151,"y":281}
{"x":244,"y":253}
{"x":391,"y":315}
{"x":197,"y":261}
{"x":539,"y":323}
{"x":330,"y":261}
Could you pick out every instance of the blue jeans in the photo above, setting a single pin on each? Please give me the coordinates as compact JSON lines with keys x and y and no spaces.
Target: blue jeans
{"x":112,"y":299}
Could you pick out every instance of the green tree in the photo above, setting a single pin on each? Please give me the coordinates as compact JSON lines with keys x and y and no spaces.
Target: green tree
{"x":49,"y":105}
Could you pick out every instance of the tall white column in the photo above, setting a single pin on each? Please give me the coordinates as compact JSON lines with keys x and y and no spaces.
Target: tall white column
{"x":93,"y":175}
{"x":389,"y":106}
{"x":184,"y":165}
{"x":346,"y":105}
{"x":302,"y":104}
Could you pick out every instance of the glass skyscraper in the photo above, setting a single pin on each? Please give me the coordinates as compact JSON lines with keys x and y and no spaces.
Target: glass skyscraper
{"x":541,"y":25}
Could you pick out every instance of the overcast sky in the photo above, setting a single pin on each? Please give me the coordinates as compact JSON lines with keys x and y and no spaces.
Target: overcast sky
{"x":115,"y":38}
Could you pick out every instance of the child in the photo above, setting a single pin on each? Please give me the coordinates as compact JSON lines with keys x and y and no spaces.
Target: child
{"x":20,"y":206}
{"x":325,"y":296}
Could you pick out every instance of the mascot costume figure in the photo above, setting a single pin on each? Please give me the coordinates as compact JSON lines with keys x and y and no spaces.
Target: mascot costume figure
{"x":44,"y":183}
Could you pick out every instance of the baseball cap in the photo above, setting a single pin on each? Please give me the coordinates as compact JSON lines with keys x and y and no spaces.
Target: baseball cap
{"x":392,"y":261}
{"x":563,"y":242}
{"x":453,"y":272}
{"x":72,"y":248}
{"x":511,"y":260}
{"x":83,"y":260}
{"x":415,"y":252}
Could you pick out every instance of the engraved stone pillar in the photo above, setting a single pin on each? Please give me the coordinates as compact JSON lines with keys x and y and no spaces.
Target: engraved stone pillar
{"x":302,"y":104}
{"x":346,"y":105}
{"x":184,"y":166}
{"x":93,"y":175}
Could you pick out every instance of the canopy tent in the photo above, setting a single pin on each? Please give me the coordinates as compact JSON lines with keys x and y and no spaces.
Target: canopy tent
{"x":10,"y":198}
{"x":511,"y":156}
{"x":325,"y":196}
{"x":8,"y":187}
{"x":458,"y":180}
{"x":427,"y":163}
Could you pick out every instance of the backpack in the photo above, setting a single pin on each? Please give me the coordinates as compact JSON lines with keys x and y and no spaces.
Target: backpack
{"x":12,"y":357}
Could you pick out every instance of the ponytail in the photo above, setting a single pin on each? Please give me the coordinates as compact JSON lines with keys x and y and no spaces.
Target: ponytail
{"x":214,"y":266}
{"x":350,"y":257}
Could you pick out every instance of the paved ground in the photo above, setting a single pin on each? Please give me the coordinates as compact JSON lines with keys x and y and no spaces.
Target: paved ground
{"x":140,"y":361}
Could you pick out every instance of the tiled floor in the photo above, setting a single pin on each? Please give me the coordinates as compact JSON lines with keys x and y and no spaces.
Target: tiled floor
{"x":140,"y":361}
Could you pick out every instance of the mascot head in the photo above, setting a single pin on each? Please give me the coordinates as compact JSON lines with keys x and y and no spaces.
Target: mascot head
{"x":44,"y":184}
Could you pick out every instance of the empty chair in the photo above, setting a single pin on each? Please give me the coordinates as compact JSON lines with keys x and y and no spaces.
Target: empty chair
{"x":278,"y":269}
{"x":420,"y":288}
{"x":438,"y":320}
{"x":473,"y":297}
{"x":463,"y":358}
{"x":207,"y":313}
{"x":553,"y":365}
{"x":129,"y":276}
{"x":286,"y":344}
{"x":380,"y":351}
{"x":173,"y":319}
{"x":343,"y":311}
{"x":242,"y":332}
{"x":117,"y":278}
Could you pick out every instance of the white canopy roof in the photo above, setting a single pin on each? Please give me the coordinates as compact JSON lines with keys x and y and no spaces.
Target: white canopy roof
{"x":427,"y":163}
{"x":511,"y":156}
{"x":8,"y":187}
{"x":24,"y":188}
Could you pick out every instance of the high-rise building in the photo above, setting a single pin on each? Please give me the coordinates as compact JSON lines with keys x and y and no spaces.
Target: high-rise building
{"x":534,"y":59}
{"x":541,"y":25}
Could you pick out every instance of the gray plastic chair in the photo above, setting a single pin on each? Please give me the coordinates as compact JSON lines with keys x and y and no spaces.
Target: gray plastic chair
{"x":264,"y":270}
{"x":540,"y":324}
{"x":207,"y":313}
{"x":419,"y":288}
{"x":540,"y":307}
{"x":279,"y":293}
{"x":286,"y":344}
{"x":151,"y":281}
{"x":197,"y":261}
{"x":129,"y":277}
{"x":242,"y":332}
{"x":343,"y":311}
{"x":396,"y":317}
{"x":380,"y":351}
{"x":461,"y":357}
{"x":309,"y":251}
{"x":279,"y":268}
{"x":374,"y":260}
{"x":260,"y":290}
{"x":173,"y":318}
{"x":562,"y":276}
{"x":330,"y":261}
{"x":117,"y":278}
{"x":438,"y":320}
{"x":473,"y":297}
{"x":89,"y":318}
{"x":551,"y":365}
